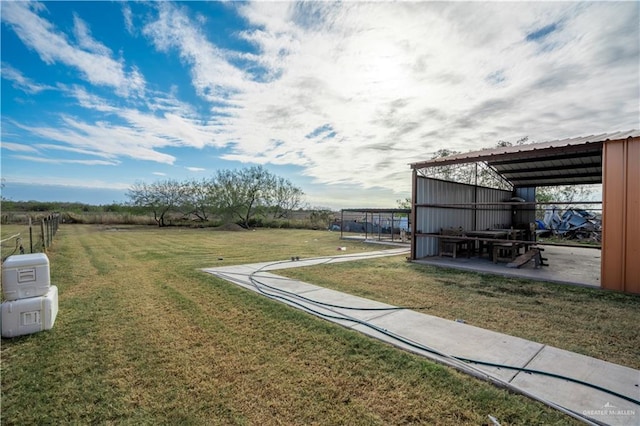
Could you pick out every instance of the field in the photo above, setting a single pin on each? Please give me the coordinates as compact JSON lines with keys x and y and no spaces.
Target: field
{"x":144,"y":337}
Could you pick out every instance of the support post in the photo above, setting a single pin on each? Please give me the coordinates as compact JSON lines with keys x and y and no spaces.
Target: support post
{"x":30,"y":236}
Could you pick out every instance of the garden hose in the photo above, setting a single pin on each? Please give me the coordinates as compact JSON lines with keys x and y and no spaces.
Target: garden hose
{"x":459,"y":362}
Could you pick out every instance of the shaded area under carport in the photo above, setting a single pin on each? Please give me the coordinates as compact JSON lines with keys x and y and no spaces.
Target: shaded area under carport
{"x":567,"y":265}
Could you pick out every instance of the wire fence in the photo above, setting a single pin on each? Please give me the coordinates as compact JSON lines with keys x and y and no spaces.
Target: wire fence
{"x":36,"y":236}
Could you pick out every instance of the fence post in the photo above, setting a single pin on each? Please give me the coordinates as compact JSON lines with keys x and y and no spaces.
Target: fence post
{"x":44,"y":237}
{"x":30,"y":236}
{"x":50,"y":229}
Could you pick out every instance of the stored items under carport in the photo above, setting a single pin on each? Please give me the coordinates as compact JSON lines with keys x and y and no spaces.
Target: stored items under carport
{"x":534,"y":253}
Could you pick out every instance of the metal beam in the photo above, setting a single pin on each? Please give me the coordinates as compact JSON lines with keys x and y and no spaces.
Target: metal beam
{"x":506,"y":172}
{"x":593,"y":155}
{"x":558,"y":175}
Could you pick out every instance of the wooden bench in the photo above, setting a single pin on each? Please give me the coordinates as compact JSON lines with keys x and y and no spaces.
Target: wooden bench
{"x":452,"y":246}
{"x":505,"y":251}
{"x":534,"y":253}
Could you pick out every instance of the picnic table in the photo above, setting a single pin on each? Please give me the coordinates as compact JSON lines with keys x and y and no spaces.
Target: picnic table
{"x":498,"y":250}
{"x":486,"y":237}
{"x":499,"y":244}
{"x":452,"y":242}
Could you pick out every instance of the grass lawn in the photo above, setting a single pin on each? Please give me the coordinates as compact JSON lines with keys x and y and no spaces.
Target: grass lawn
{"x":144,"y":337}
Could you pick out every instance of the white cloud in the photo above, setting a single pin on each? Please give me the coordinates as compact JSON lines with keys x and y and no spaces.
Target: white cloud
{"x":213,"y":77}
{"x":352,"y":92}
{"x":195,"y":169}
{"x":84,"y":39}
{"x":104,"y":139}
{"x":17,"y":147}
{"x":91,"y":58}
{"x":21,"y":82}
{"x":70,"y":182}
{"x":65,"y":161}
{"x":172,"y":129}
{"x":397,"y":81}
{"x":140,"y":135}
{"x":93,"y":153}
{"x":128,"y":17}
{"x":88,"y":100}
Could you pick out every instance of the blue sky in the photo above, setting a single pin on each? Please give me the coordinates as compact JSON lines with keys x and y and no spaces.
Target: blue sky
{"x":337,"y":97}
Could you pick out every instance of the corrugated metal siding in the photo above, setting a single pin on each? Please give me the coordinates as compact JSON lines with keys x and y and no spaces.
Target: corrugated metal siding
{"x":493,"y":216}
{"x":432,"y":191}
{"x":525,"y":214}
{"x":621,"y":216}
{"x":432,"y":219}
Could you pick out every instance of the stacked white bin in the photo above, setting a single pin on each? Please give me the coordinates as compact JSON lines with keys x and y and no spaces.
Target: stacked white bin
{"x":31,"y":302}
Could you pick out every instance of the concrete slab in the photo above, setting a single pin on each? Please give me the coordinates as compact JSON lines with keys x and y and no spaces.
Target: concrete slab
{"x":369,"y":239}
{"x":313,"y":299}
{"x":567,"y":265}
{"x":239,"y":269}
{"x":285,"y":284}
{"x":461,"y":340}
{"x":313,"y":261}
{"x":335,"y":259}
{"x":600,"y":406}
{"x":449,"y":341}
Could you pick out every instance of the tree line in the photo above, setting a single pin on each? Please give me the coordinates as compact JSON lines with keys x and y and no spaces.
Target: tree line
{"x":237,"y":195}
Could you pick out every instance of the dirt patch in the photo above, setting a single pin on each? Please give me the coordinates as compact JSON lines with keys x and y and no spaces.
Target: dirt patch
{"x":229,"y":227}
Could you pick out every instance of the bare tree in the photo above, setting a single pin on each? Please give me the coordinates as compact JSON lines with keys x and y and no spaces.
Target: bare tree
{"x":239,"y":193}
{"x":285,"y":197}
{"x":199,"y":198}
{"x":404,"y":203}
{"x":159,"y":197}
{"x":450,"y":172}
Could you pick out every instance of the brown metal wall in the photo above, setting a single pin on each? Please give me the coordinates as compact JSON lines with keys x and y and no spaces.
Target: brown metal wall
{"x":621,"y":215}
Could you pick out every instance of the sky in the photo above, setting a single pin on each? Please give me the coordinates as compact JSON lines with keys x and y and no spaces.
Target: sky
{"x":337,"y":97}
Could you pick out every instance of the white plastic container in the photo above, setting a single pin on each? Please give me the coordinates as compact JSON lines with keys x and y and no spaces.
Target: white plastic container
{"x":25,"y":275}
{"x":27,"y":316}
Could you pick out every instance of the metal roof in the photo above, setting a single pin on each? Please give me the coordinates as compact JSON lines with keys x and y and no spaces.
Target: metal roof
{"x":572,"y":161}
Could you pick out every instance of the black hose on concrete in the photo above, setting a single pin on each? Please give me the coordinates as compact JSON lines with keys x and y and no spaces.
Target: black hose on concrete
{"x":457,"y":362}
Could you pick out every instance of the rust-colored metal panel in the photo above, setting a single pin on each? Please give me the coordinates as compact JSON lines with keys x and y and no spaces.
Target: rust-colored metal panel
{"x":621,"y":215}
{"x":632,"y":270}
{"x":612,"y":214}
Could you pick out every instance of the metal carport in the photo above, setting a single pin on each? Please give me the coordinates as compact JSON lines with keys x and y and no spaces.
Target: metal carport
{"x":380,"y":222}
{"x":611,"y":159}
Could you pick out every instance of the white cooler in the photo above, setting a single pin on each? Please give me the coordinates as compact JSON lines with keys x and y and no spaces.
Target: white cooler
{"x":27,"y":316}
{"x":25,"y":275}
